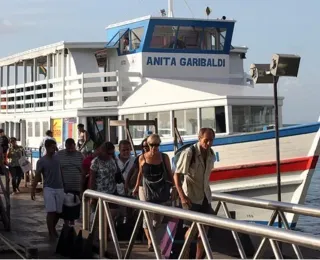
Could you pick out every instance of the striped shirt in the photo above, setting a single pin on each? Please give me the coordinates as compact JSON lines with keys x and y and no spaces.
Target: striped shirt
{"x":71,"y":164}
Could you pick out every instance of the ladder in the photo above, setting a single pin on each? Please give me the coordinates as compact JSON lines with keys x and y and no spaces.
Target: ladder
{"x":176,"y":135}
{"x":126,"y":124}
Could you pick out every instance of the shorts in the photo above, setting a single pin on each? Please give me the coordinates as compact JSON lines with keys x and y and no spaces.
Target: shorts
{"x":205,"y":207}
{"x":53,"y":199}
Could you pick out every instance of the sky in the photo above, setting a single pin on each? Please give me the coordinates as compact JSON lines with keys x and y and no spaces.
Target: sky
{"x":264,"y":26}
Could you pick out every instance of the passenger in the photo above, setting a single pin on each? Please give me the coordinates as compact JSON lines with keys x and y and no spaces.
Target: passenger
{"x":125,"y":45}
{"x":155,"y":170}
{"x":71,"y":169}
{"x":125,"y":162}
{"x":196,"y":165}
{"x":131,"y":179}
{"x":15,"y":152}
{"x":85,"y":143}
{"x":53,"y":192}
{"x":4,"y":144}
{"x":49,"y":135}
{"x":103,"y":176}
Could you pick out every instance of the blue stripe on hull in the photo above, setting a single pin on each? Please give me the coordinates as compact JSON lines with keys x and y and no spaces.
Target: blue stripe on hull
{"x":248,"y":137}
{"x":253,"y":137}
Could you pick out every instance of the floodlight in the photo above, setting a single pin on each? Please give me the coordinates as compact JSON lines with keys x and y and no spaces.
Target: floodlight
{"x":260,"y":73}
{"x":285,"y":65}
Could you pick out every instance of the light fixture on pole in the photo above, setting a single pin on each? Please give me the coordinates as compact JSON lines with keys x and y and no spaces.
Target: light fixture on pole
{"x":282,"y":65}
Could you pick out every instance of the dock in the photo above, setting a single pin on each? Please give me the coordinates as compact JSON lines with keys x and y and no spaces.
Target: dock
{"x":29,"y":231}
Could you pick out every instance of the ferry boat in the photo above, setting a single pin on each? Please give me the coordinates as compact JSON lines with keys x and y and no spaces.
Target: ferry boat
{"x":163,"y":67}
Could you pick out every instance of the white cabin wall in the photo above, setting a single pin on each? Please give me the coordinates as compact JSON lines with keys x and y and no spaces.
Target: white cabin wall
{"x":84,"y":61}
{"x":236,"y":68}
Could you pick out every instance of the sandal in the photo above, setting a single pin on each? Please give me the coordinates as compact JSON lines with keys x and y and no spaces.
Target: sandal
{"x":150,"y":248}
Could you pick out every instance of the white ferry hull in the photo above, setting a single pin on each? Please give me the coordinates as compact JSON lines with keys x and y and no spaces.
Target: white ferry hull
{"x":246,"y":166}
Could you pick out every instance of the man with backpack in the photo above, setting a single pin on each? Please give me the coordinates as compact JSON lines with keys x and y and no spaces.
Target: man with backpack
{"x":195,"y":163}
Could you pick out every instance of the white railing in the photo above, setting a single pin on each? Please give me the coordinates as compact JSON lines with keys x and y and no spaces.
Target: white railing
{"x":86,"y":90}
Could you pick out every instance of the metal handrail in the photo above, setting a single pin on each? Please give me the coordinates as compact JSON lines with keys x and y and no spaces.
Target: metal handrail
{"x":279,"y":208}
{"x":198,"y":219}
{"x":267,"y":204}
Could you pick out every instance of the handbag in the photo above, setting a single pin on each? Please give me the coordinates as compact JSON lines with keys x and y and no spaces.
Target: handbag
{"x":25,"y":164}
{"x":118,"y":176}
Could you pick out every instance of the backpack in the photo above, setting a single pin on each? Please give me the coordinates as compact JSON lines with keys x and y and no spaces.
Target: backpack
{"x":181,"y":149}
{"x":5,"y":142}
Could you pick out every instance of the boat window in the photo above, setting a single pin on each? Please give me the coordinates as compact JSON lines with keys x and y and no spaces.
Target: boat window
{"x":18,"y":135}
{"x":164,"y":127}
{"x":220,"y":116}
{"x":163,"y":37}
{"x":37,"y":129}
{"x":189,"y":37}
{"x":115,"y":39}
{"x":251,"y":118}
{"x":125,"y":43}
{"x":45,"y":127}
{"x":214,"y":38}
{"x":136,"y":36}
{"x":187,"y":121}
{"x":136,"y":131}
{"x":30,"y":129}
{"x":208,"y":118}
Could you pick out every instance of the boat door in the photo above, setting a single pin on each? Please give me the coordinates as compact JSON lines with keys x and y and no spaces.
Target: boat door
{"x":96,"y":127}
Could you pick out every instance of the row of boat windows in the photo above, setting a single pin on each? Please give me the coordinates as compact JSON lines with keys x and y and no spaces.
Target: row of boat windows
{"x":26,"y":97}
{"x":34,"y":129}
{"x":175,"y":37}
{"x":244,"y":119}
{"x":187,"y":121}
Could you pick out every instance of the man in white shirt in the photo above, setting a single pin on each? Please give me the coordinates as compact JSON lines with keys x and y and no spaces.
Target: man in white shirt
{"x":49,"y":136}
{"x":125,"y":162}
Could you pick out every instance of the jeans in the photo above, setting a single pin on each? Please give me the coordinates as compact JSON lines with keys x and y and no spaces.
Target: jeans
{"x":16,"y":175}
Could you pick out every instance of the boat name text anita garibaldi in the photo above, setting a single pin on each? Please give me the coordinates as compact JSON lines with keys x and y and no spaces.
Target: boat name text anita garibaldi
{"x":189,"y":62}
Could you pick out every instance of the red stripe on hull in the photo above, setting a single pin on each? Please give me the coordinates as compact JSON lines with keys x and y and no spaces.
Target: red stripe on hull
{"x":259,"y":169}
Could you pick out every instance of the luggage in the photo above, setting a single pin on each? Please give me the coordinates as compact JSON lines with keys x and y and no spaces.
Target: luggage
{"x":75,"y":243}
{"x":71,"y":207}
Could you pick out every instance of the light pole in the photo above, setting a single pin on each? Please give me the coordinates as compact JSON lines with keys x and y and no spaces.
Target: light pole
{"x":282,"y":65}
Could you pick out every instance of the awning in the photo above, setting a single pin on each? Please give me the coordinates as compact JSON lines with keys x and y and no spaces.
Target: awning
{"x":155,"y":92}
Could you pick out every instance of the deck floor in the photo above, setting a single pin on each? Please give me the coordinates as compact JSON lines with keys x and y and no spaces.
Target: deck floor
{"x":28,"y":229}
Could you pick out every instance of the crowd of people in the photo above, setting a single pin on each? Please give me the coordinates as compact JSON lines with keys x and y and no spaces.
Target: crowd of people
{"x":148,"y":177}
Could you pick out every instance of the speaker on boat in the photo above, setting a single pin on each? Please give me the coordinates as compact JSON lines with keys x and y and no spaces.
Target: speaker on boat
{"x":285,"y":65}
{"x":260,"y":73}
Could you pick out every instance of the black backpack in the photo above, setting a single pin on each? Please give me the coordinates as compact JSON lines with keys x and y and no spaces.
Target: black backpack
{"x":4,"y":143}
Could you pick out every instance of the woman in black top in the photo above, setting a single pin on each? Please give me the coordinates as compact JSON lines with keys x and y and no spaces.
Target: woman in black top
{"x":154,"y":171}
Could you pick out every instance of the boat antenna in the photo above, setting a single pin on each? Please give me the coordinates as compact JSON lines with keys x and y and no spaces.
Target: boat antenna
{"x":189,"y":8}
{"x":170,"y":8}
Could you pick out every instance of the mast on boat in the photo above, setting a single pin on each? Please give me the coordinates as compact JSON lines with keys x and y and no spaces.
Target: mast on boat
{"x":170,"y":8}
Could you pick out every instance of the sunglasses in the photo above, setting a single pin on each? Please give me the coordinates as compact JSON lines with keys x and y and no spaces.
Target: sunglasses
{"x":154,"y":145}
